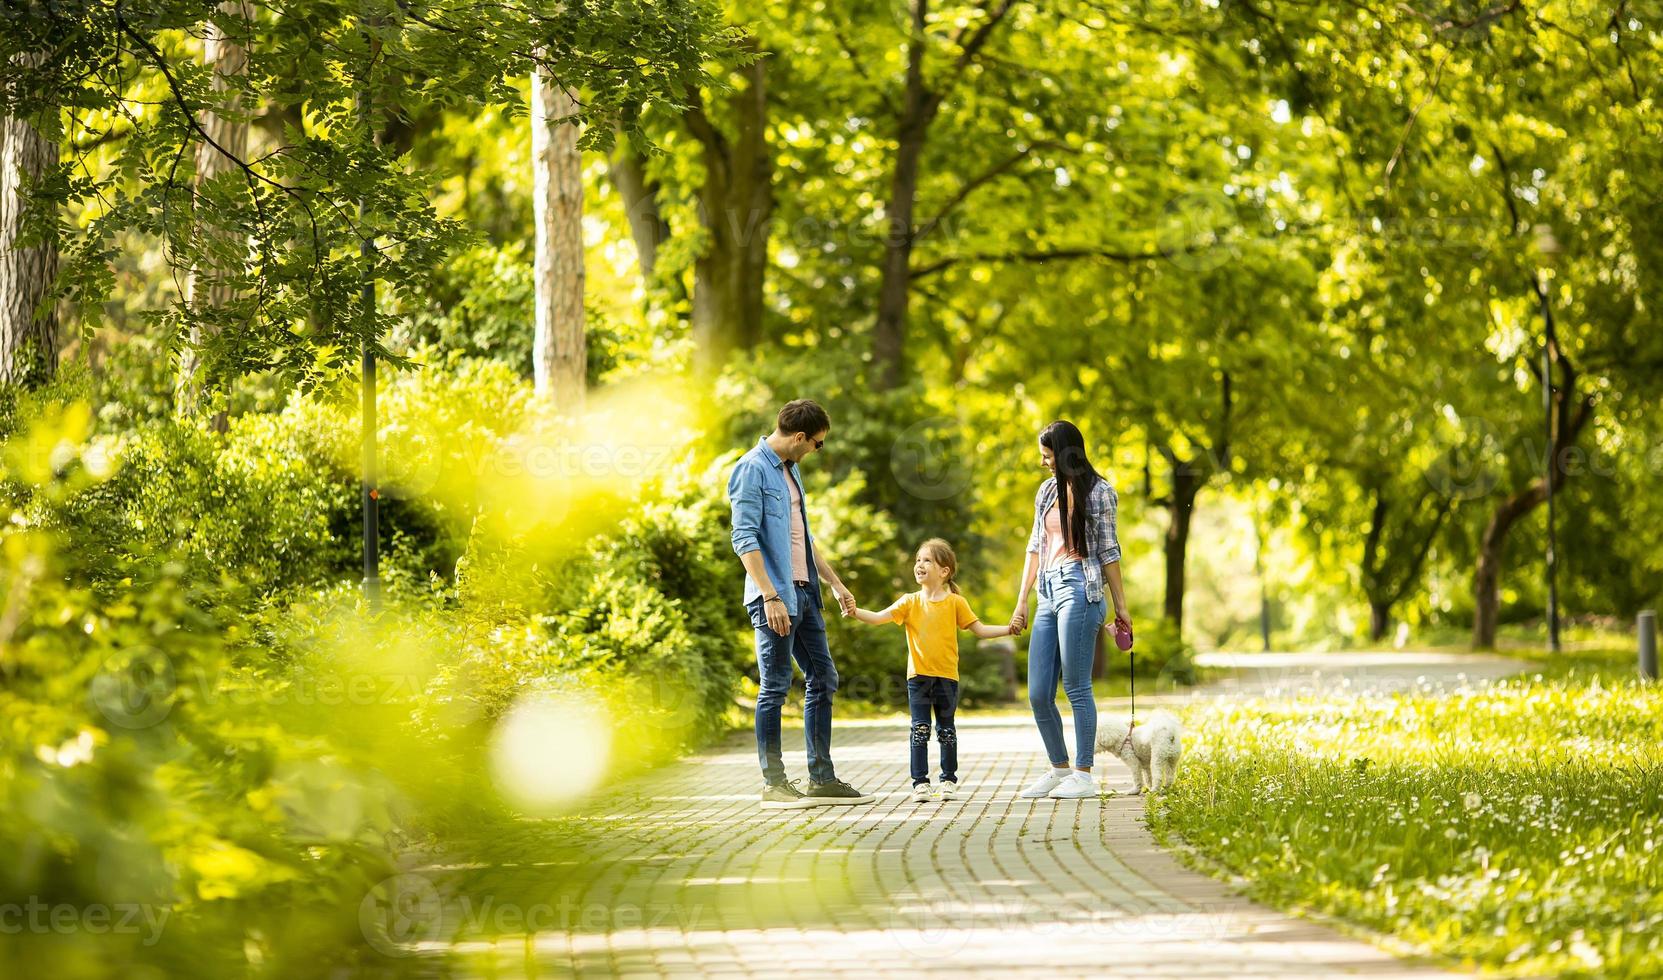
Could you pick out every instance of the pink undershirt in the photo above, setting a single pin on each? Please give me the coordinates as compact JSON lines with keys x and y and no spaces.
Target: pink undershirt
{"x":1055,"y":554}
{"x":799,"y":533}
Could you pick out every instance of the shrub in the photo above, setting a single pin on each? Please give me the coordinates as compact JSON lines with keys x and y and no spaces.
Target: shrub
{"x":653,"y":604}
{"x":480,"y":307}
{"x":264,"y":505}
{"x":129,"y":777}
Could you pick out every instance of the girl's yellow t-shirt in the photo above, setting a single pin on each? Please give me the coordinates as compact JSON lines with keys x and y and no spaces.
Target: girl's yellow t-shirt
{"x":933,"y":632}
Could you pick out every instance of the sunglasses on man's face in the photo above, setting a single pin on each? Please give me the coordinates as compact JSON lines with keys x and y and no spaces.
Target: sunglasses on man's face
{"x":819,"y":444}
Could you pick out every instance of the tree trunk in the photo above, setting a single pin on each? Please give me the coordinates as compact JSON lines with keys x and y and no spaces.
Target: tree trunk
{"x":1382,"y":586}
{"x":1186,"y":484}
{"x":1570,"y":414}
{"x":1187,"y":480}
{"x":559,"y":356}
{"x":717,"y":288}
{"x":28,"y":317}
{"x":1380,"y":619}
{"x":1486,"y":586}
{"x":1373,"y":575}
{"x":736,"y":210}
{"x":921,"y":103}
{"x":895,"y":289}
{"x":205,"y":284}
{"x":647,"y":225}
{"x":755,"y":195}
{"x":1486,"y":600}
{"x":1264,"y":586}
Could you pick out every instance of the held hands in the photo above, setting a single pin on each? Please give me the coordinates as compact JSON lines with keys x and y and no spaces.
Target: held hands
{"x":1019,"y":620}
{"x":845,"y":601}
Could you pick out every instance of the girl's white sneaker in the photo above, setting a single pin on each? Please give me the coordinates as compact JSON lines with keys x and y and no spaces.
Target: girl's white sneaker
{"x":1042,"y":787}
{"x":1075,"y":786}
{"x":921,"y":793}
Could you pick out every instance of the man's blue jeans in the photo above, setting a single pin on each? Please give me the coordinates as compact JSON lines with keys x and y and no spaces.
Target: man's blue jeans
{"x":806,"y":644}
{"x":1064,"y":641}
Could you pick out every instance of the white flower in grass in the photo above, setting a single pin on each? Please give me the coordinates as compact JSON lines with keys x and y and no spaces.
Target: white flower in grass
{"x":1473,"y":801}
{"x":1585,"y":952}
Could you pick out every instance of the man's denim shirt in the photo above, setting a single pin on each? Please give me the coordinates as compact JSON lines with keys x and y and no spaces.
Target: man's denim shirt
{"x":761,"y":502}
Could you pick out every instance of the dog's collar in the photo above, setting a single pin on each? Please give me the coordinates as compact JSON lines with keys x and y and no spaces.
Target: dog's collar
{"x":1127,"y":741}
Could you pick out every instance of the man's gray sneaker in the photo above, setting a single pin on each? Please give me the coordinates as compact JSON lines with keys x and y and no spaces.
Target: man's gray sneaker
{"x":784,"y":796}
{"x":836,"y":793}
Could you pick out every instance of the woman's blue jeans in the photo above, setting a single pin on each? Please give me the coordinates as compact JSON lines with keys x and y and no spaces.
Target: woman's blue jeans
{"x":1063,"y":644}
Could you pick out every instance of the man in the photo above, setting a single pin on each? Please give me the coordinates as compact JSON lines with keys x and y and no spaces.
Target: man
{"x":783,"y":572}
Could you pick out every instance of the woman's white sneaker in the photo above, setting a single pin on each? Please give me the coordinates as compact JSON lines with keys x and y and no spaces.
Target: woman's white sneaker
{"x":1075,"y":786}
{"x":921,"y":793}
{"x":1042,"y":787}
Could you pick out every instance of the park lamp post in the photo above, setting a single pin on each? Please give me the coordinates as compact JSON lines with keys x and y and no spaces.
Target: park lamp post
{"x":369,"y":487}
{"x":1547,"y":256}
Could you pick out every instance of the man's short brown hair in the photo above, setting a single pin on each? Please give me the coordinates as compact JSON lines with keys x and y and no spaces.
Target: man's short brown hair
{"x":803,"y":415}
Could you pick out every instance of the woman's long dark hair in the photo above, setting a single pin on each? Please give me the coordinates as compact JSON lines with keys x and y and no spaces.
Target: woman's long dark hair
{"x":1074,"y":470}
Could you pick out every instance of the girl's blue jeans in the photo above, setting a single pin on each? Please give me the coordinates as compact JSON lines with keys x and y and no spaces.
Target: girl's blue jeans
{"x":941,"y":695}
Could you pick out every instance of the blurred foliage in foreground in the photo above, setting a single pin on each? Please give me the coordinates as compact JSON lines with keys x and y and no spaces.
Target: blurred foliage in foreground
{"x":213,"y":752}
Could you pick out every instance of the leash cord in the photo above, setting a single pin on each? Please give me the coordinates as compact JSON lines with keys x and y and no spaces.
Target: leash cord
{"x":1133,"y":676}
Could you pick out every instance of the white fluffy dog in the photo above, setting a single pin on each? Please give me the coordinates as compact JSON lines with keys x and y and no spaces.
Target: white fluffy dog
{"x":1152,"y":751}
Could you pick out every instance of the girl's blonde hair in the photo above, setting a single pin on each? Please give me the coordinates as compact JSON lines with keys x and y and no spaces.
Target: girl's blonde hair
{"x":940,"y":552}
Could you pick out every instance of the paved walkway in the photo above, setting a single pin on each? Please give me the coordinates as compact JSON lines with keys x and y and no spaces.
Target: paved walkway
{"x":680,"y":872}
{"x":1292,"y":674}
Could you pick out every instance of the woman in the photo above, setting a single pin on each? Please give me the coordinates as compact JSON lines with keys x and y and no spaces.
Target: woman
{"x":1072,"y":551}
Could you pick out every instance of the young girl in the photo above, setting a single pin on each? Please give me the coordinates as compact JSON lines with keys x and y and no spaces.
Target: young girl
{"x":933,"y":616}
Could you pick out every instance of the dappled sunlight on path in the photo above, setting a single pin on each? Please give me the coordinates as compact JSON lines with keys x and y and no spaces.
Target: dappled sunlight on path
{"x":679,"y":871}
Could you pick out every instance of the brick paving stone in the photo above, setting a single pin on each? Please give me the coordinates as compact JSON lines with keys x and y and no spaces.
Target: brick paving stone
{"x":679,"y":872}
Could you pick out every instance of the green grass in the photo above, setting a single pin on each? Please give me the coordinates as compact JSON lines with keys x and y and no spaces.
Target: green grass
{"x":1605,"y":663}
{"x":1519,"y":828}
